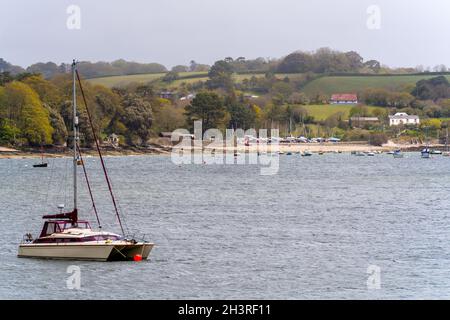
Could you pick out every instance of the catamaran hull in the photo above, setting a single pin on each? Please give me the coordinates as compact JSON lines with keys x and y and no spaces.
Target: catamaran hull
{"x":94,"y":252}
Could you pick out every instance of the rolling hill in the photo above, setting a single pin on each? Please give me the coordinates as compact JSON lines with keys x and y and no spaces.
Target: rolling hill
{"x":118,"y":81}
{"x":326,"y":85}
{"x":341,"y":84}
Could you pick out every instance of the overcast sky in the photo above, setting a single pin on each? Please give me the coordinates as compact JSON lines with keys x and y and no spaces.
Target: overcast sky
{"x":411,"y":33}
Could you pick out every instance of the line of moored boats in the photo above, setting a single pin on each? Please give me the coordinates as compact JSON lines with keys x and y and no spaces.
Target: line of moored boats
{"x":425,"y":153}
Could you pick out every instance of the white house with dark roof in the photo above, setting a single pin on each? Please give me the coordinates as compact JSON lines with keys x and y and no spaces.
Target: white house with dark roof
{"x":402,"y":118}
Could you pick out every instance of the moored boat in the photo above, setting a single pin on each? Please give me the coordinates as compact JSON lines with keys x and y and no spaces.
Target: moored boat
{"x":397,"y":154}
{"x":42,"y":164}
{"x":425,"y":153}
{"x":64,"y":236}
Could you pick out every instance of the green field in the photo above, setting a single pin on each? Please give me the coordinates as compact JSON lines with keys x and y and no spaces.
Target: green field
{"x":118,"y":81}
{"x":176,"y":83}
{"x":186,"y":77}
{"x":326,"y":85}
{"x":321,"y":112}
{"x":347,"y":84}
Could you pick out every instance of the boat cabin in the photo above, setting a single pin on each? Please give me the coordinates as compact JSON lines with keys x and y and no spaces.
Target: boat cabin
{"x":53,"y":226}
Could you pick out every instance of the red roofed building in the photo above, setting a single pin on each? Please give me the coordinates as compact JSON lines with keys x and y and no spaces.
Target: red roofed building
{"x":344,"y":98}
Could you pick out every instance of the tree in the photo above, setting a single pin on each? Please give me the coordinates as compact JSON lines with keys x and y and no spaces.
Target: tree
{"x":170,"y":76}
{"x":48,"y":92}
{"x":378,"y":138}
{"x":359,"y":111}
{"x":47,"y":70}
{"x":207,"y":107}
{"x":167,"y":116}
{"x":298,"y":98}
{"x":26,"y":112}
{"x":241,"y":116}
{"x":8,"y":67}
{"x":432,"y":89}
{"x":432,"y":124}
{"x":282,"y":89}
{"x":376,"y":97}
{"x":138,"y":117}
{"x":220,"y":75}
{"x":192,"y":66}
{"x":180,"y":68}
{"x":197,"y":67}
{"x":381,"y":114}
{"x":355,"y":61}
{"x":334,"y":120}
{"x":5,"y":77}
{"x":399,"y":99}
{"x":103,"y":103}
{"x":60,"y":133}
{"x":296,"y":62}
{"x":374,"y":65}
{"x":8,"y":132}
{"x":169,"y":119}
{"x":258,"y":116}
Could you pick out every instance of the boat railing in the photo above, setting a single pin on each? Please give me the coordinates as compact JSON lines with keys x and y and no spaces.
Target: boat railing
{"x":27,"y":238}
{"x":137,"y":236}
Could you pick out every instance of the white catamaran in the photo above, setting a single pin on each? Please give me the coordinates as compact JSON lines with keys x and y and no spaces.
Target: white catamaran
{"x":64,"y":236}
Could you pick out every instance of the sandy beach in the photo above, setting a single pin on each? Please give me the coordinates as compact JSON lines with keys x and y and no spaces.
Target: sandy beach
{"x":314,"y":147}
{"x":9,"y":153}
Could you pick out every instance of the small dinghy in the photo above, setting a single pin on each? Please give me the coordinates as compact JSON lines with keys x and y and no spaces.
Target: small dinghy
{"x":42,"y":164}
{"x":397,"y":154}
{"x":425,"y":153}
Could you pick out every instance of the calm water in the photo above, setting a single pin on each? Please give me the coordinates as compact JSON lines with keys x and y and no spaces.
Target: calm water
{"x":227,"y":232}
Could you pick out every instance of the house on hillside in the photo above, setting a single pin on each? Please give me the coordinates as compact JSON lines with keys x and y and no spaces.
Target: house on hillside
{"x":190,"y":96}
{"x":344,"y":98}
{"x":112,"y":139}
{"x":403,"y":118}
{"x":166,"y":94}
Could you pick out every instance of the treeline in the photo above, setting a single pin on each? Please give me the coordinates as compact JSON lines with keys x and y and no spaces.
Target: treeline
{"x":321,"y":61}
{"x":88,"y":69}
{"x":430,"y":97}
{"x":35,"y":111}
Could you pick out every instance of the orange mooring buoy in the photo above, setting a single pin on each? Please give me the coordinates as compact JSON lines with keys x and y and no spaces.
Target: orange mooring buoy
{"x":137,"y":257}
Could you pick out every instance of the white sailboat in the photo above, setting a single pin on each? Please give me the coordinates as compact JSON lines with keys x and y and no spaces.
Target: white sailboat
{"x":426,"y":152}
{"x":64,"y":236}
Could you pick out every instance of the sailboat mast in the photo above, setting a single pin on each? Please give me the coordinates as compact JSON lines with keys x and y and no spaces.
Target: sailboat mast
{"x":446,"y":138}
{"x":75,"y":136}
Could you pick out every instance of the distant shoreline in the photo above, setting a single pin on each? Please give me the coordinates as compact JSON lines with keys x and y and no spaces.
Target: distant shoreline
{"x":344,"y":147}
{"x":8,"y":153}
